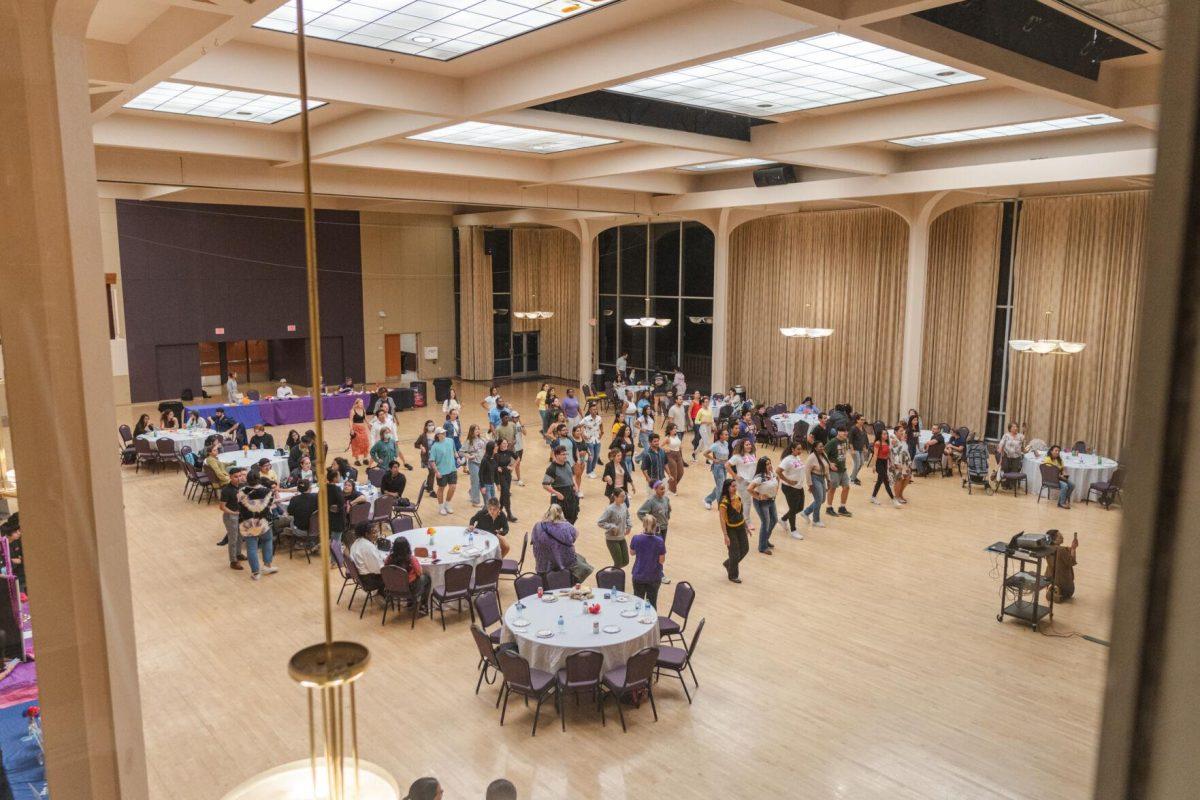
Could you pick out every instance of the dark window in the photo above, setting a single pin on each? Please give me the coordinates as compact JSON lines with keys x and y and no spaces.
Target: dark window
{"x":457,"y":303}
{"x":606,"y":244}
{"x":1002,"y":329}
{"x":698,"y":248}
{"x":633,"y":260}
{"x":664,"y":342}
{"x":696,"y":356}
{"x":606,"y":325}
{"x":664,"y":259}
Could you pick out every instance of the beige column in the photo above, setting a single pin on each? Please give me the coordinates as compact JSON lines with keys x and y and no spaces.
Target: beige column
{"x":720,"y":336}
{"x":587,"y":309}
{"x":54,"y":326}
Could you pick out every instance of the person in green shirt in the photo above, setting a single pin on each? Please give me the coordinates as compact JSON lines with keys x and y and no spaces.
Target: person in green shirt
{"x":836,"y":450}
{"x":384,"y":451}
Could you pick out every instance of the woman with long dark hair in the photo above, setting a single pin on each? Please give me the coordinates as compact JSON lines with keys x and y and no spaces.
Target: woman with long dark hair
{"x":733,"y":527}
{"x":402,"y":556}
{"x":673,"y":444}
{"x":487,"y":472}
{"x":504,"y":462}
{"x":793,"y":477}
{"x":764,"y":486}
{"x":143,"y":425}
{"x":883,"y":455}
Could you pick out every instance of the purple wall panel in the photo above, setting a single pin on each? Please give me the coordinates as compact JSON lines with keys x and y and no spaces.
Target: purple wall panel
{"x":187,"y":269}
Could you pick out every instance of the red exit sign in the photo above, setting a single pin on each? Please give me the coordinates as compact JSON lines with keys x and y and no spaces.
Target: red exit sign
{"x":291,"y":328}
{"x":219,"y":331}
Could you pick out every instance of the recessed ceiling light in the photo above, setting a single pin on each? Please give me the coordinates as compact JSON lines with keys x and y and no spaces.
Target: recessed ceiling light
{"x":507,"y":137}
{"x":765,"y":105}
{"x":448,"y":28}
{"x":1021,"y":129}
{"x":819,"y":71}
{"x":734,"y":163}
{"x":206,"y":101}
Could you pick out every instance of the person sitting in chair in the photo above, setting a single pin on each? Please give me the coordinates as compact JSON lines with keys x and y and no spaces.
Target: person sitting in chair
{"x":491,"y":519}
{"x":921,"y":462}
{"x":301,"y":507}
{"x":1065,"y":487}
{"x":284,"y":391}
{"x":261,"y":439}
{"x":304,"y":472}
{"x":367,"y":557}
{"x":228,"y":427}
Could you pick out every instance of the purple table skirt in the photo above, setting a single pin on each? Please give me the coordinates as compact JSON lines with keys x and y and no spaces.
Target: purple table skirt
{"x":300,"y":409}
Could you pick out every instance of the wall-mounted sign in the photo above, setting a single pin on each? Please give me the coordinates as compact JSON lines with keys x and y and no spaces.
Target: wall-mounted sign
{"x":219,"y":331}
{"x":291,"y":328}
{"x":431,"y":353}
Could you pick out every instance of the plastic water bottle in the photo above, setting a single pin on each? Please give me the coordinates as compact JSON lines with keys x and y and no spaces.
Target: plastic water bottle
{"x":638,"y":608}
{"x":562,"y":625}
{"x":470,"y":538}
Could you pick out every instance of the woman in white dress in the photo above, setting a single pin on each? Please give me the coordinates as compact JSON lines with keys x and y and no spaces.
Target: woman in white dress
{"x":451,"y":403}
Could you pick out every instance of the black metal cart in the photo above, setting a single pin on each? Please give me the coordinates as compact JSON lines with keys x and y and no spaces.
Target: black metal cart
{"x":1025,"y":575}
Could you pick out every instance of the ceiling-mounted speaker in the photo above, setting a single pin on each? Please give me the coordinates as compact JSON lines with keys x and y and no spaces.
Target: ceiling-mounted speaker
{"x":775,"y":175}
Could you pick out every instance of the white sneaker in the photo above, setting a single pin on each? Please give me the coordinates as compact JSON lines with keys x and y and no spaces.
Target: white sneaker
{"x":476,"y":505}
{"x":665,"y":579}
{"x":270,"y":570}
{"x":580,"y":495}
{"x":592,"y":475}
{"x":897,"y":503}
{"x":520,"y":483}
{"x":708,"y":505}
{"x":797,"y":535}
{"x":807,"y":518}
{"x":818,"y":524}
{"x":449,"y":510}
{"x":442,"y":510}
{"x":874,"y":502}
{"x":255,"y":576}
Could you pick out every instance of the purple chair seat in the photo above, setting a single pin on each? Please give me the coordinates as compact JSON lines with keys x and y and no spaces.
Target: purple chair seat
{"x":668,"y":626}
{"x":672,"y":657}
{"x":1101,"y":486}
{"x":615,"y":678}
{"x":540,"y":679}
{"x":510,"y":567}
{"x":494,"y":637}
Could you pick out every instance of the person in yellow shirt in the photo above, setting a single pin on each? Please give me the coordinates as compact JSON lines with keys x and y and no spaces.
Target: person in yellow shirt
{"x":702,"y":422}
{"x":542,"y":409}
{"x":1065,"y":487}
{"x":214,"y":463}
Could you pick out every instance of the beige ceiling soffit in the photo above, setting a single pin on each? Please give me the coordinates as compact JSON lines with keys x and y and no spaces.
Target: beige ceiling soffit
{"x":627,"y":160}
{"x":623,"y":131}
{"x":1133,"y":86}
{"x":648,"y":182}
{"x":106,"y":63}
{"x":862,"y":160}
{"x":1105,"y":165}
{"x":367,"y":127}
{"x":232,"y":140}
{"x":710,"y":30}
{"x":1005,"y":149}
{"x":444,"y":161}
{"x":520,"y":216}
{"x":177,"y":37}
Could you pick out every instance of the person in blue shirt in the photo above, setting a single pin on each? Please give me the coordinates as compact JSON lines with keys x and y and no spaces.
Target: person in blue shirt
{"x":807,"y":407}
{"x":653,"y":461}
{"x":445,"y":462}
{"x":226,"y":425}
{"x":494,"y":413}
{"x":453,"y":429}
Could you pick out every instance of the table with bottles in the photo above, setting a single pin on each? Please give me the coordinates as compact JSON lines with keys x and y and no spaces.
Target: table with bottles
{"x":550,"y":628}
{"x":452,"y":544}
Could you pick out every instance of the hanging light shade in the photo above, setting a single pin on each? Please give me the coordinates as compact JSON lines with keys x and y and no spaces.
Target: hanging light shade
{"x":806,"y":333}
{"x":533,"y":314}
{"x":647,"y":322}
{"x":700,"y":320}
{"x":1047,"y":346}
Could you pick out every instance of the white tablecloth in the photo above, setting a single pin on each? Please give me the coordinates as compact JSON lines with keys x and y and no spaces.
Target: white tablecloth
{"x":787,"y":422}
{"x":550,"y":654}
{"x":445,"y":538}
{"x":248,"y":458}
{"x":193,"y":438}
{"x":1082,"y":471}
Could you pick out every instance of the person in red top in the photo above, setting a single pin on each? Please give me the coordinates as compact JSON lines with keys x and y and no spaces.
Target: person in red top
{"x":882,"y":452}
{"x":402,"y":556}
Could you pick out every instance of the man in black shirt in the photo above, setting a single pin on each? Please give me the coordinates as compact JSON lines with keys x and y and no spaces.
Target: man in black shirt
{"x":262,"y":439}
{"x":491,"y":518}
{"x":820,"y":434}
{"x":229,"y":507}
{"x":301,"y":507}
{"x":393,"y":482}
{"x":859,"y":443}
{"x":337,"y":502}
{"x":559,"y":482}
{"x":224,"y":425}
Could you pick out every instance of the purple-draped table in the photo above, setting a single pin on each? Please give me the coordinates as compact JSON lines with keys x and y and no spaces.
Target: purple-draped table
{"x":299,"y":409}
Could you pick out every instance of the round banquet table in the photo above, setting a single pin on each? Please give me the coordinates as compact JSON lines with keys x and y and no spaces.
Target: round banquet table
{"x":1082,"y":471}
{"x":550,"y":654}
{"x":193,"y":438}
{"x":446,"y":538}
{"x":248,"y":458}
{"x":787,"y":422}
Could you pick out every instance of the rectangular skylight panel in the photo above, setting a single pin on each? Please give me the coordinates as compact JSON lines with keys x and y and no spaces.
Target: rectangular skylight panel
{"x":733,"y":163}
{"x":1019,"y":129}
{"x":208,"y":101}
{"x":819,"y":71}
{"x":440,"y":29}
{"x":506,"y":137}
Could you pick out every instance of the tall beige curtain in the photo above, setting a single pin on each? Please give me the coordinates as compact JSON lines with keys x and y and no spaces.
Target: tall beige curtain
{"x":960,"y":311}
{"x":850,"y":266}
{"x":545,"y":277}
{"x":475,"y":306}
{"x":1083,"y":259}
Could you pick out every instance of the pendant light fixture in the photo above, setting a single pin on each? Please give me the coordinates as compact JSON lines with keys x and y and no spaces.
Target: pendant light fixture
{"x":806,"y":333}
{"x":533,"y":314}
{"x":1047,"y":346}
{"x":330,"y":668}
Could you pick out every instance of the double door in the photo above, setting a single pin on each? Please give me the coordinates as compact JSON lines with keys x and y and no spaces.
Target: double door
{"x":525,"y":353}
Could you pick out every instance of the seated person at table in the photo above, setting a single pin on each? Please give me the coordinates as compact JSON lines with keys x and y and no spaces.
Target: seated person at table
{"x":345,"y":471}
{"x":921,"y":462}
{"x":143,"y":425}
{"x":337,"y":503}
{"x":227,"y":427}
{"x":302,"y":449}
{"x":367,"y":556}
{"x":491,"y":518}
{"x":195,"y":421}
{"x":956,"y":447}
{"x":553,"y":541}
{"x":168,"y":421}
{"x":284,"y":391}
{"x":347,"y":386}
{"x":393,"y":481}
{"x":301,"y":507}
{"x":402,"y":556}
{"x":261,"y":439}
{"x":807,"y":407}
{"x":213,"y":462}
{"x":266,"y":471}
{"x":1062,"y":567}
{"x":1065,"y":487}
{"x":304,"y":472}
{"x":352,"y":495}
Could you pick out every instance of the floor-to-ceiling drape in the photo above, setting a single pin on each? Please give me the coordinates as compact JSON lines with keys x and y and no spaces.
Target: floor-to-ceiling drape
{"x":1083,"y":259}
{"x":545,"y":277}
{"x":475,"y":306}
{"x":960,"y":309}
{"x":835,"y":269}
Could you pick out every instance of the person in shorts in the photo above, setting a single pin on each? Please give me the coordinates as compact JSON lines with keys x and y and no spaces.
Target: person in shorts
{"x":444,"y":459}
{"x":837,"y":450}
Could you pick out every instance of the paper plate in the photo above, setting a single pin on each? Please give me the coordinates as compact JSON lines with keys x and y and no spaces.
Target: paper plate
{"x":549,"y":598}
{"x":545,"y":634}
{"x":611,"y":629}
{"x":622,"y":599}
{"x":519,"y":623}
{"x":630,"y":614}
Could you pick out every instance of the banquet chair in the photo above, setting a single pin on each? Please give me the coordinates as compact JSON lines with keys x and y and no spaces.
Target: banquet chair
{"x":1049,"y":474}
{"x":456,"y":589}
{"x":527,"y":584}
{"x":933,"y":464}
{"x":353,"y":574}
{"x":557,"y":579}
{"x":146,"y":454}
{"x":580,"y":674}
{"x":396,"y":588}
{"x":360,"y":512}
{"x":634,"y":676}
{"x":338,"y":557}
{"x":489,"y":666}
{"x":676,"y":659}
{"x":681,"y":606}
{"x":211,"y":478}
{"x":774,"y":436}
{"x":487,"y":576}
{"x":128,"y":450}
{"x":524,"y":680}
{"x":958,"y":460}
{"x":307,"y":540}
{"x":1108,"y":490}
{"x":1010,"y":471}
{"x":513,"y":568}
{"x":382,"y":509}
{"x":487,"y":612}
{"x":229,"y":446}
{"x":167,"y":453}
{"x":401,"y":523}
{"x":611,"y":578}
{"x":375,"y":476}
